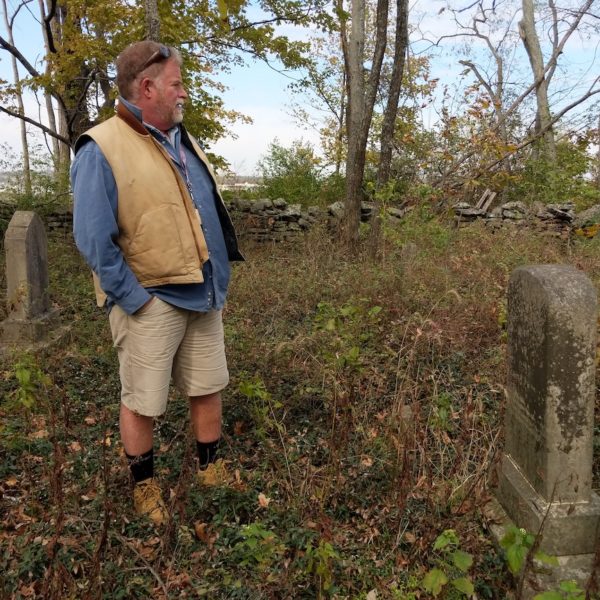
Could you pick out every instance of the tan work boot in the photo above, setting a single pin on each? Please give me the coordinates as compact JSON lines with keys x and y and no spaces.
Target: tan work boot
{"x":214,"y":475}
{"x":147,"y":500}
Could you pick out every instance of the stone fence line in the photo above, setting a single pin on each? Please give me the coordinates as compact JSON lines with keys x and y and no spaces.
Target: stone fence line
{"x":277,"y":220}
{"x":556,"y":217}
{"x":261,"y":220}
{"x":59,"y":221}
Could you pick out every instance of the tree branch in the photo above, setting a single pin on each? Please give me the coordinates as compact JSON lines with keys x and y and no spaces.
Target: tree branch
{"x":479,"y":77}
{"x":36,"y":124}
{"x":468,"y":7}
{"x":253,"y":53}
{"x":591,"y":92}
{"x":17,"y":54}
{"x":550,"y":65}
{"x":22,"y":5}
{"x":48,"y":26}
{"x":243,"y":26}
{"x":454,"y":35}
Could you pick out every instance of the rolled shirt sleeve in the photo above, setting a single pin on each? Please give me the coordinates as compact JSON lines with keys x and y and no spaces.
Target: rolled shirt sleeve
{"x":96,"y":229}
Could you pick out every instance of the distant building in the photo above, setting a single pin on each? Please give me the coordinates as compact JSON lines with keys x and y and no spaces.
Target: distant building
{"x":238,"y":182}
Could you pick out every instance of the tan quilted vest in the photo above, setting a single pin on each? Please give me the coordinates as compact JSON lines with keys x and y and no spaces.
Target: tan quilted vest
{"x":159,"y":227}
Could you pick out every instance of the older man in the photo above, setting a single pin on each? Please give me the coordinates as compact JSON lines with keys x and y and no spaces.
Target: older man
{"x":152,"y":226}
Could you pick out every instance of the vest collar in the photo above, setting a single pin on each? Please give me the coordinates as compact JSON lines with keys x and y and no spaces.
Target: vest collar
{"x":127,"y":115}
{"x":131,"y":112}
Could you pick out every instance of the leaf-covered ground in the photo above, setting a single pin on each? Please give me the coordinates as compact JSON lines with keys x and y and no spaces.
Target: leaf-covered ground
{"x":363,"y":420}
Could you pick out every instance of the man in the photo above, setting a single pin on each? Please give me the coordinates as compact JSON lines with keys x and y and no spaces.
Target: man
{"x":151,"y":224}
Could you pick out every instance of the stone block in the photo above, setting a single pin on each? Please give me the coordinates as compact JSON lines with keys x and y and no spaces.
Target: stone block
{"x":26,"y":249}
{"x":545,"y":476}
{"x":30,"y":317}
{"x":36,"y":329}
{"x":542,"y":577}
{"x":567,"y":528}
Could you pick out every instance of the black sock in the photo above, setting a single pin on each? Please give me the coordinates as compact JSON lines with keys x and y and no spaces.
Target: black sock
{"x":142,"y":466}
{"x":207,"y":452}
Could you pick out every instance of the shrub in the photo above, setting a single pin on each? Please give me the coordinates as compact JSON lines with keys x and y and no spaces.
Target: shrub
{"x":292,"y":173}
{"x":567,"y":180}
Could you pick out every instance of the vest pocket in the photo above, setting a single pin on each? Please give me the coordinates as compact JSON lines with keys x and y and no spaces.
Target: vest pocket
{"x":156,"y":250}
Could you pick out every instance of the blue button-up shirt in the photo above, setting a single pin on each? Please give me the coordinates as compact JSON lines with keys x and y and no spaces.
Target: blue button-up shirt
{"x":96,"y":230}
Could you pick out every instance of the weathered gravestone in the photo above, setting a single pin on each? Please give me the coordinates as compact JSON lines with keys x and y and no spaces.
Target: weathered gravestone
{"x":30,"y":315}
{"x":545,"y":481}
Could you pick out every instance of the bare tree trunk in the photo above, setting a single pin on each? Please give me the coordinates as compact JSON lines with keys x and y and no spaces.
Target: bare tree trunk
{"x":598,"y":156}
{"x":361,"y":100}
{"x":354,"y":51}
{"x":341,"y":127}
{"x":64,"y":154}
{"x":20,"y":106}
{"x":543,"y":118}
{"x":63,"y":159}
{"x":389,"y":122}
{"x":391,"y":109}
{"x":152,"y":20}
{"x":48,"y":97}
{"x":64,"y":151}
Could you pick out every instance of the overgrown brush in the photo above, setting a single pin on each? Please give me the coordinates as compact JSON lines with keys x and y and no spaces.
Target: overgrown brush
{"x":363,"y":421}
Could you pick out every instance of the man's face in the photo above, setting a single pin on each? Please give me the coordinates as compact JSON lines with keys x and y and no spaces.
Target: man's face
{"x":166,"y":105}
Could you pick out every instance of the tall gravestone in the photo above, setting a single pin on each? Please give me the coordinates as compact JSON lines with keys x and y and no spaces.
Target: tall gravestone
{"x":30,"y":315}
{"x":545,"y":481}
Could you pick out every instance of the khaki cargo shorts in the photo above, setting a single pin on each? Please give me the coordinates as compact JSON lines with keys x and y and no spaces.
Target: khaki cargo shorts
{"x":163,"y":342}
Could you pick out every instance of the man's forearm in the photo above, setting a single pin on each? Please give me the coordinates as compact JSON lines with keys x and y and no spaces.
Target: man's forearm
{"x":95,"y":228}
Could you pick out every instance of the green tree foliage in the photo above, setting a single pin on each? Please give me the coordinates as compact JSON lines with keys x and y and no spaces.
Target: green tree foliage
{"x":86,"y":37}
{"x":292,"y":173}
{"x":566,"y":180}
{"x":323,"y":87}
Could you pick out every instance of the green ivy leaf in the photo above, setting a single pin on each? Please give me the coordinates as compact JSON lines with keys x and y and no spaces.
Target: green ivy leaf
{"x":509,"y":538}
{"x":374,"y":311}
{"x":515,"y":555}
{"x":462,"y":560}
{"x":353,"y":353}
{"x":464,"y":585}
{"x":570,"y":586}
{"x":548,"y":596}
{"x":547,"y":559}
{"x":434,"y":581}
{"x":446,"y":538}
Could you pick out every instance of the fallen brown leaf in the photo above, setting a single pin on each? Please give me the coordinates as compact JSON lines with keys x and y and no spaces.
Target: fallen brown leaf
{"x":263,"y":501}
{"x":204,"y":534}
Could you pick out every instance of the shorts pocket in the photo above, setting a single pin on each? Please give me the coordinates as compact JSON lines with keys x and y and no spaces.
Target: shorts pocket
{"x":157,"y":307}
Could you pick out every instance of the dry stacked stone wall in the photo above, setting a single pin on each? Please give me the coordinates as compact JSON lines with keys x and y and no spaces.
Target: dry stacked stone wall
{"x":59,"y":221}
{"x":272,"y":220}
{"x":275,"y":220}
{"x":558,"y":219}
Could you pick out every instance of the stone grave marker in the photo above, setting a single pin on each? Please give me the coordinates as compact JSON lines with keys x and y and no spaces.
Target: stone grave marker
{"x":30,"y":315}
{"x":545,"y":478}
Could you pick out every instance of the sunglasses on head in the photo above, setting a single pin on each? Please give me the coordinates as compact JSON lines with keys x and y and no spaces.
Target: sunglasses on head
{"x":161,"y":54}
